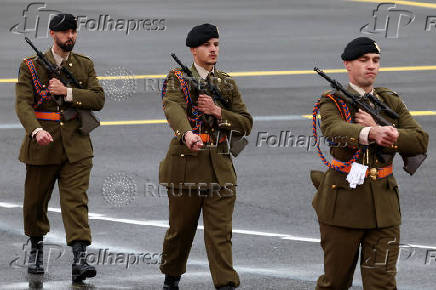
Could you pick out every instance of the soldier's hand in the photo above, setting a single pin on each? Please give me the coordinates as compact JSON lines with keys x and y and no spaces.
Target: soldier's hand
{"x":207,"y":106}
{"x":364,"y":119}
{"x":193,"y":141}
{"x":384,"y":136}
{"x":43,"y":138}
{"x":56,"y":87}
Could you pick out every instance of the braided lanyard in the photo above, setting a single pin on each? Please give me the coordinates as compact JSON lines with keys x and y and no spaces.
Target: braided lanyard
{"x":40,"y":90}
{"x":345,"y":115}
{"x":196,"y":114}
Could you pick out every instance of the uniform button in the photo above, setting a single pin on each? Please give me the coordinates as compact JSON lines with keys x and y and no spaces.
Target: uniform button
{"x":333,"y":186}
{"x":80,"y":82}
{"x":62,"y":123}
{"x":213,"y":130}
{"x":62,"y":111}
{"x":70,"y":64}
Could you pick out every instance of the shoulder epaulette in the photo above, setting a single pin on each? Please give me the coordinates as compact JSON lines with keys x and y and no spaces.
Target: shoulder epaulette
{"x":30,"y":57}
{"x":81,"y":55}
{"x":386,"y":90}
{"x":224,"y":73}
{"x":328,"y":92}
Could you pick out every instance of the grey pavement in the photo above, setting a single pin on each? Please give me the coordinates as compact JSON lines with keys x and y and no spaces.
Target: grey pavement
{"x":275,"y":241}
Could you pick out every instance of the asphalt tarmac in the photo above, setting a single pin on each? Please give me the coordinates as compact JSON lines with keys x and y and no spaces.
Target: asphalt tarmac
{"x":274,"y":45}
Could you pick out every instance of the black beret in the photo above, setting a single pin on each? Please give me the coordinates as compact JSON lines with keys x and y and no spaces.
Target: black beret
{"x":358,"y":47}
{"x":201,"y":34}
{"x":62,"y":22}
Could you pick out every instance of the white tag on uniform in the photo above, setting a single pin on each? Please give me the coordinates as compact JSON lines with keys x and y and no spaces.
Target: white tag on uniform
{"x":357,"y":174}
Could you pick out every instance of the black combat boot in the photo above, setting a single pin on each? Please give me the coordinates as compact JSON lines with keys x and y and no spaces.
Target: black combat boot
{"x":36,"y":257}
{"x":171,"y":282}
{"x":229,"y":286}
{"x":80,"y":268}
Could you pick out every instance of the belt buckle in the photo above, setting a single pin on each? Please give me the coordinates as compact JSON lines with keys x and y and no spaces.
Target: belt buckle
{"x":373,"y":173}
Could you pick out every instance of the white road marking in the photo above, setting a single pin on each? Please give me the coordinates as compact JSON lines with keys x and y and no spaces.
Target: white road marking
{"x":164,"y":224}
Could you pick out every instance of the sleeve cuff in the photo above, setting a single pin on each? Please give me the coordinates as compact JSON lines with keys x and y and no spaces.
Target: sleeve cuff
{"x":363,"y":136}
{"x":36,"y":131}
{"x":69,"y":96}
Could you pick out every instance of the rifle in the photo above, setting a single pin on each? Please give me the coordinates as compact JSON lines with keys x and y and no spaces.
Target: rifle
{"x":88,"y":119}
{"x":202,"y":86}
{"x":411,"y":163}
{"x":237,"y":141}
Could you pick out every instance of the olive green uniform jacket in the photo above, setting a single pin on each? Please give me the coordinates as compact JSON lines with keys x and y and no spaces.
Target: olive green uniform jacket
{"x":374,"y":204}
{"x":67,"y":139}
{"x":214,"y":164}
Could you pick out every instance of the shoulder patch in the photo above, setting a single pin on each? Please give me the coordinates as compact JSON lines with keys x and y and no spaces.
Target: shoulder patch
{"x":81,"y":55}
{"x":31,"y":57}
{"x":176,"y":69}
{"x":327,"y":92}
{"x":386,"y":91}
{"x":224,"y":73}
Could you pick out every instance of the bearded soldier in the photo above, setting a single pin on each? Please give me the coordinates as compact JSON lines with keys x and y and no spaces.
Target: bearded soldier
{"x":53,"y":148}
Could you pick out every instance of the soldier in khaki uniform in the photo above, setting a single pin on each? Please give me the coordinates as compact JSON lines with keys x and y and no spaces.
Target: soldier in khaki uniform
{"x":53,"y":149}
{"x":368,"y":215}
{"x":198,"y":169}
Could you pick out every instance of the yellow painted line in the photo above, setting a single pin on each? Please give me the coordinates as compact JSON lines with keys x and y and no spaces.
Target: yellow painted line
{"x":409,"y":68}
{"x":413,"y":113}
{"x":163,"y":121}
{"x":267,"y":73}
{"x":133,"y":122}
{"x":409,"y":3}
{"x":136,"y":77}
{"x":423,"y":113}
{"x":8,"y":80}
